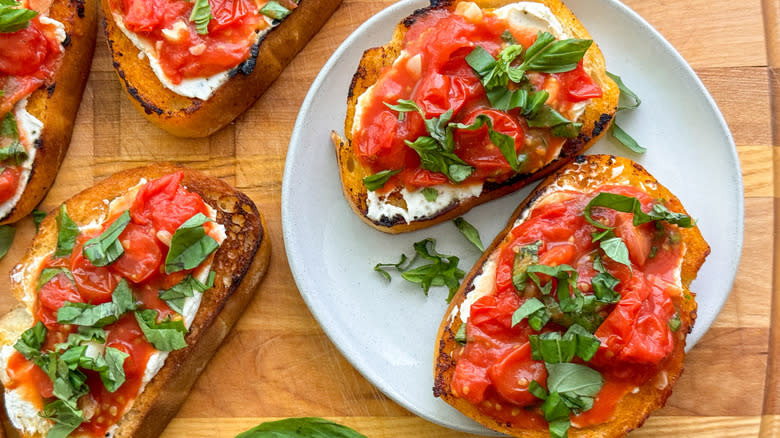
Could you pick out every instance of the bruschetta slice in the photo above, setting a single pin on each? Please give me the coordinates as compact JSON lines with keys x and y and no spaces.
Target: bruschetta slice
{"x":45,"y":56}
{"x":574,"y":320}
{"x":469,"y":102}
{"x":125,"y":294}
{"x":191,"y":67}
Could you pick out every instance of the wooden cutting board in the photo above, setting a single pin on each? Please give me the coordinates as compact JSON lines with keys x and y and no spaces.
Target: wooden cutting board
{"x":277,"y":362}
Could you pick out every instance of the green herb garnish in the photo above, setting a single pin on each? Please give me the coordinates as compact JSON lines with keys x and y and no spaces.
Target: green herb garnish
{"x":379,"y":179}
{"x":469,"y":232}
{"x":190,"y":245}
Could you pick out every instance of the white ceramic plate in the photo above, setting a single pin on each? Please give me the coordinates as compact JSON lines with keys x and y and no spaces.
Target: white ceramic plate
{"x":387,"y":331}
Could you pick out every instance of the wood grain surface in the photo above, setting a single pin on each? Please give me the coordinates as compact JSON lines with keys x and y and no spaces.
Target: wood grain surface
{"x":277,"y":362}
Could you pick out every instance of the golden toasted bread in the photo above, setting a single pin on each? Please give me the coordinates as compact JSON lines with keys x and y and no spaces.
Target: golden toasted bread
{"x":595,"y":120}
{"x":239,"y":264}
{"x":57,"y":104}
{"x":192,"y":117}
{"x":585,"y":174}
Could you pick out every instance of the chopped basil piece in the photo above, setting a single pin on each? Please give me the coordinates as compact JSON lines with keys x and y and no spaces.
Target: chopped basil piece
{"x":379,"y":179}
{"x":99,"y":315}
{"x":503,"y":142}
{"x":626,"y":140}
{"x":84,"y":334}
{"x":625,"y":92}
{"x":535,"y":311}
{"x":274,"y":10}
{"x":190,"y":245}
{"x":106,"y":248}
{"x":550,"y":56}
{"x":604,"y":283}
{"x":65,"y":416}
{"x":525,"y":257}
{"x":399,"y":266}
{"x":617,"y":250}
{"x":8,"y":127}
{"x":48,"y":273}
{"x":554,"y":347}
{"x":176,"y":295}
{"x":37,"y":217}
{"x":441,"y":271}
{"x":430,"y":194}
{"x":201,"y":15}
{"x":508,"y":37}
{"x":67,"y":232}
{"x":469,"y":232}
{"x":460,"y":335}
{"x":579,"y":383}
{"x":434,"y":158}
{"x":674,"y":322}
{"x":630,"y":204}
{"x":7,"y":233}
{"x":547,"y":117}
{"x":15,"y":153}
{"x":167,"y":335}
{"x":300,"y":427}
{"x":29,"y":344}
{"x":114,"y":376}
{"x":14,"y":18}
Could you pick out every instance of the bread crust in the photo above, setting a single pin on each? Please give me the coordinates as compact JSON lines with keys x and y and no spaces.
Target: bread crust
{"x":595,"y":121}
{"x":587,"y":173}
{"x":57,"y":105}
{"x":239,"y":265}
{"x":190,"y":117}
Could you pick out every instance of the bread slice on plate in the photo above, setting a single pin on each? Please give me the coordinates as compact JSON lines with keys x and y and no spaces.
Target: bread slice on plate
{"x":124,"y":295}
{"x":468,"y":102}
{"x":563,"y":324}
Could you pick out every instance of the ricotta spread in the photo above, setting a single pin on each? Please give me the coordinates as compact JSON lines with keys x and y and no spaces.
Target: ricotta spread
{"x":29,"y":131}
{"x":417,"y":207}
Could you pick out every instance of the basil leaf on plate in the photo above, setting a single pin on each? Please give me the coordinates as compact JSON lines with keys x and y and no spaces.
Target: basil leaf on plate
{"x":469,"y":232}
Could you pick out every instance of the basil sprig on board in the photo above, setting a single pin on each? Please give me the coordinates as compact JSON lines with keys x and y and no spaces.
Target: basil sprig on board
{"x":305,"y":427}
{"x":67,"y":232}
{"x":190,"y":245}
{"x":14,"y":18}
{"x":617,"y":132}
{"x":379,"y":179}
{"x":201,"y":16}
{"x":106,"y":248}
{"x":571,"y":388}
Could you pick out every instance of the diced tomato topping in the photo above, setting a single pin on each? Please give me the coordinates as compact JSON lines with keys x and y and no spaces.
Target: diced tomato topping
{"x":53,"y":295}
{"x":95,"y":283}
{"x":9,"y":181}
{"x":165,"y":205}
{"x":579,"y":85}
{"x":514,"y":372}
{"x":477,"y":149}
{"x":23,"y":52}
{"x":142,"y":254}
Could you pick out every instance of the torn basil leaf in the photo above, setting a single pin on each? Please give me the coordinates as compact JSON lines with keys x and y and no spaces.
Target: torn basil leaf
{"x":274,"y":10}
{"x":48,"y":273}
{"x":167,"y":335}
{"x":469,"y":232}
{"x":190,"y":245}
{"x":106,"y":248}
{"x":7,"y":233}
{"x":201,"y":16}
{"x":525,"y":257}
{"x":67,"y":232}
{"x":430,"y":194}
{"x":379,"y":179}
{"x":176,"y":295}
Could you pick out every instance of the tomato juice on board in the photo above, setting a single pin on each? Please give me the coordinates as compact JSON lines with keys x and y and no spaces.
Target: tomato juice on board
{"x":495,"y":368}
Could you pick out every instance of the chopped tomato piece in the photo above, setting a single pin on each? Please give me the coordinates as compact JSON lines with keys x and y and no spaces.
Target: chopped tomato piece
{"x":142,"y":255}
{"x":165,"y":204}
{"x":53,"y":295}
{"x":23,"y":52}
{"x":470,"y":381}
{"x":579,"y":85}
{"x":9,"y":181}
{"x":477,"y":149}
{"x":95,"y":283}
{"x":514,"y":372}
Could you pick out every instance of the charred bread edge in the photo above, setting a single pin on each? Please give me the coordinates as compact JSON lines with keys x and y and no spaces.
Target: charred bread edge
{"x":191,"y":117}
{"x":56,"y":105}
{"x":633,"y":409}
{"x":596,"y":120}
{"x":247,"y":242}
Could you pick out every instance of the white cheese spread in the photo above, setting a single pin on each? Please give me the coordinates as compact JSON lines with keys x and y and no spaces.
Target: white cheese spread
{"x":417,"y":207}
{"x":30,"y":129}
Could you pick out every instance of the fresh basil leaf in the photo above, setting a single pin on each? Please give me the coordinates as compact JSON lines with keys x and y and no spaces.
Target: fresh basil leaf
{"x":625,"y":91}
{"x":617,"y":250}
{"x":14,"y":152}
{"x":100,"y":315}
{"x":433,"y":157}
{"x":604,"y":283}
{"x":559,"y":428}
{"x":550,"y":56}
{"x":437,"y":128}
{"x":7,"y":233}
{"x":201,"y":15}
{"x":106,"y":248}
{"x":505,"y":99}
{"x":535,"y":311}
{"x":537,"y":390}
{"x":14,"y":18}
{"x":430,"y":194}
{"x":37,"y":217}
{"x":460,"y":336}
{"x":554,"y":407}
{"x":535,"y":103}
{"x":442,"y":271}
{"x":379,"y":179}
{"x":84,"y":334}
{"x":508,"y":37}
{"x":66,"y":417}
{"x":8,"y":126}
{"x":674,"y":322}
{"x":176,"y":295}
{"x":525,"y":257}
{"x":505,"y":143}
{"x":573,"y":379}
{"x":399,"y":266}
{"x":567,"y":130}
{"x":164,"y":336}
{"x":48,"y":273}
{"x":629,"y":204}
{"x":469,"y":232}
{"x":274,"y":10}
{"x":31,"y":341}
{"x":547,"y":117}
{"x":307,"y":427}
{"x":67,"y":233}
{"x":625,"y":139}
{"x":552,"y":347}
{"x":114,"y":376}
{"x":481,"y":61}
{"x":190,"y":245}
{"x":403,"y":106}
{"x":661,"y":213}
{"x":587,"y":343}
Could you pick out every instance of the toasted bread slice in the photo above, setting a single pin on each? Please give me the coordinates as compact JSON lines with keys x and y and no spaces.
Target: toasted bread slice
{"x":56,"y":106}
{"x":239,"y":264}
{"x":191,"y":117}
{"x":595,"y":120}
{"x":585,"y":174}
